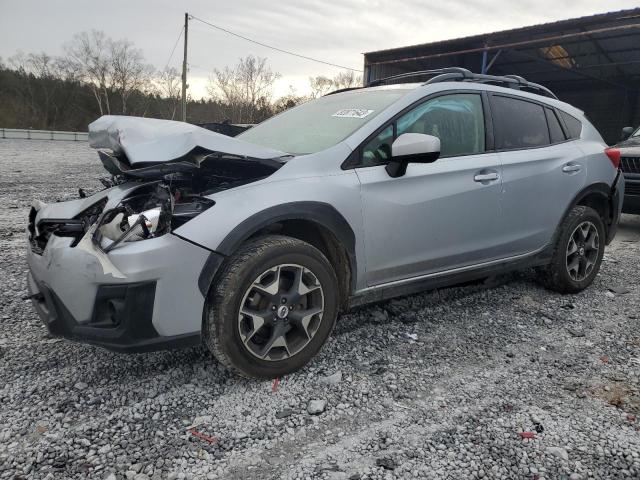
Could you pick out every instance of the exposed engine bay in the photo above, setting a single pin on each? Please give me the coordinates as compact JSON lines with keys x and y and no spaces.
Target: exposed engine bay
{"x":158,"y":207}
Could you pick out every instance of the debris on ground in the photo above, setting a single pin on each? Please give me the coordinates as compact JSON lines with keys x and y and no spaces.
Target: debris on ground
{"x":202,"y":436}
{"x":619,"y":289}
{"x":275,"y":385}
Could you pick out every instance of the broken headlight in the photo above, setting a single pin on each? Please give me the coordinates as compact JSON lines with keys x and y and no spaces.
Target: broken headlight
{"x":150,"y":213}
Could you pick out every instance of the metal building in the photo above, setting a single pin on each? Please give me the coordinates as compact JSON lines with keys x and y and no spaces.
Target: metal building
{"x":591,"y":62}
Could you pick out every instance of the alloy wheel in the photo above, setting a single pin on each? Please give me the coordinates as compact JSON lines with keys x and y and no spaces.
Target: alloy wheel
{"x":582,"y":251}
{"x":281,"y":312}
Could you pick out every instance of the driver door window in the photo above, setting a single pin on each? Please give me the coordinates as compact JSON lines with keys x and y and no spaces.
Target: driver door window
{"x":457,"y":120}
{"x":378,"y":150}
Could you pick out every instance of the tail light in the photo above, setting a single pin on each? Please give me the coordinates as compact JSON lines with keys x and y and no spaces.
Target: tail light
{"x":614,"y":156}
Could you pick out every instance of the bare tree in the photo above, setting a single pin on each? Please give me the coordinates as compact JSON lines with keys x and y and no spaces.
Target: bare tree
{"x":289,"y":100}
{"x":90,"y":53}
{"x":40,"y":84}
{"x":245,"y":88}
{"x":129,"y":72}
{"x":169,"y":87}
{"x":320,"y":85}
{"x":347,"y":79}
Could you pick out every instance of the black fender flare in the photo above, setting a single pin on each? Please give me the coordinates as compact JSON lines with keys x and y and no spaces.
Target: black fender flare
{"x":320,"y":213}
{"x":599,"y":188}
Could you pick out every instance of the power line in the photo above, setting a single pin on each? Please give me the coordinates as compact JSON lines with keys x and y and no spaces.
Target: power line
{"x":271,"y":46}
{"x":173,"y":50}
{"x":146,"y":105}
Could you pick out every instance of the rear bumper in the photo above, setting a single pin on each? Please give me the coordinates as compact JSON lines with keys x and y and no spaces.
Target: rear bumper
{"x":145,"y":296}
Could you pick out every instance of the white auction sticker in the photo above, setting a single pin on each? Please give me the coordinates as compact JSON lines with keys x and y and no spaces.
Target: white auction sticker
{"x":352,"y":113}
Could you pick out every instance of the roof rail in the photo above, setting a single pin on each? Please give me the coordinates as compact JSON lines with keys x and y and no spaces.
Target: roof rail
{"x":457,"y":74}
{"x":510,"y":81}
{"x":340,"y":90}
{"x":458,"y":71}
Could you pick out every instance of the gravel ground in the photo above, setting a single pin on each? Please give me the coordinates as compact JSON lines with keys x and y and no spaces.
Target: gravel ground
{"x":504,"y":380}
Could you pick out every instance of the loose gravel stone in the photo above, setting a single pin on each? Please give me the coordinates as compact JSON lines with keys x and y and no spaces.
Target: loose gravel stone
{"x":561,"y":453}
{"x":316,"y":407}
{"x":334,"y":379}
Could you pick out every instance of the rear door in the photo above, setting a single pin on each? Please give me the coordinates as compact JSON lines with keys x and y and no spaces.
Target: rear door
{"x":542,"y":171}
{"x":438,"y":216}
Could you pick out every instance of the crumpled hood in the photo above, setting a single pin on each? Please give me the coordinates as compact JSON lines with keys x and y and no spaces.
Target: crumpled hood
{"x":150,"y":141}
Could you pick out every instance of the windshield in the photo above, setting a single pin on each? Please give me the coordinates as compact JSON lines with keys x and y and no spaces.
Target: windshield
{"x":636,"y":133}
{"x":322,"y":123}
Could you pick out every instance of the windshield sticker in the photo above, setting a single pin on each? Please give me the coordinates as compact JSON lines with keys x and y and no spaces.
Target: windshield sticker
{"x":352,"y":113}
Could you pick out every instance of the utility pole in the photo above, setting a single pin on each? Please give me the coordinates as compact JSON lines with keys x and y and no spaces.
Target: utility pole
{"x":184,"y":69}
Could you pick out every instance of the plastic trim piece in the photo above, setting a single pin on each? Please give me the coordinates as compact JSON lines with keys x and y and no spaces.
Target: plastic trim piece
{"x":321,"y":213}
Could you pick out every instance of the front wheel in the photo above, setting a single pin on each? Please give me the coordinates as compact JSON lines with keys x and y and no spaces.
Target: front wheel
{"x":272,"y":307}
{"x":578,"y":252}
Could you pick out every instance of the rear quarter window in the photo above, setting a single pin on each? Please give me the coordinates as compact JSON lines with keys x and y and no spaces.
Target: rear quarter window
{"x":555,"y":130}
{"x":518,"y":123}
{"x":574,"y":126}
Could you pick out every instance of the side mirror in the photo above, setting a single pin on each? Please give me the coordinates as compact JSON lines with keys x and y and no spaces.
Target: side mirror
{"x":626,"y":133}
{"x":412,"y":148}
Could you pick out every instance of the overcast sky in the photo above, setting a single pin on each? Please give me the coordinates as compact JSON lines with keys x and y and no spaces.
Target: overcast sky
{"x":337,"y":31}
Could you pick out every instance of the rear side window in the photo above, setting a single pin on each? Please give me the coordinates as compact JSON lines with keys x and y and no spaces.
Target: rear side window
{"x":518,"y":123}
{"x":555,"y":130}
{"x":574,"y":126}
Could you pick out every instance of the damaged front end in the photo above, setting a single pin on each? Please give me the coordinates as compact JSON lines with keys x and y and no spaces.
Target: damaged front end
{"x":163,"y":172}
{"x":104,"y":268}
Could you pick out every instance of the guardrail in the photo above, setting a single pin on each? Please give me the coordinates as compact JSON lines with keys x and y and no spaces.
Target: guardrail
{"x":25,"y":134}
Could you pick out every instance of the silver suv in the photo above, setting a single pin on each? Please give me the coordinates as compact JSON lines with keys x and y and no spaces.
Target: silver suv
{"x":254,"y":244}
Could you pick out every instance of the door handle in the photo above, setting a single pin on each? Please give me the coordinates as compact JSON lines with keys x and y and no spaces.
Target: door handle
{"x":571,"y":168}
{"x":485,"y":177}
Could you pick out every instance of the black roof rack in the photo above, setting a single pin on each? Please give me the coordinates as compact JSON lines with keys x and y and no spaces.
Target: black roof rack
{"x":340,"y":90}
{"x":420,"y":73}
{"x":457,"y":74}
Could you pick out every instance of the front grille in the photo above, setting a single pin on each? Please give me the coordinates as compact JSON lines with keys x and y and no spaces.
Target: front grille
{"x":74,"y":227}
{"x":632,"y":188}
{"x":630,"y":164}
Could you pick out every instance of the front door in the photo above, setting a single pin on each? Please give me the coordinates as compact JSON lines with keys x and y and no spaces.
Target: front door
{"x":438,"y":216}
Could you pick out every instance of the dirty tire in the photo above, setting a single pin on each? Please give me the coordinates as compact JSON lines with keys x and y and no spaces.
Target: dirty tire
{"x":556,"y":276}
{"x":227,"y":295}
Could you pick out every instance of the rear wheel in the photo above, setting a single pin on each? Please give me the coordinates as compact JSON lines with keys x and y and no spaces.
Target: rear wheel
{"x":578,"y":252}
{"x":272,"y":308}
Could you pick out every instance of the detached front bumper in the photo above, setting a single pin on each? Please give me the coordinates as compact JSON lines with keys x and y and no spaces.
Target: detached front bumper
{"x":142,"y":296}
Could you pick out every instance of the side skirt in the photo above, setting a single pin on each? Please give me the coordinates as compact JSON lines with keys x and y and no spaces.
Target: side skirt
{"x":448,"y":278}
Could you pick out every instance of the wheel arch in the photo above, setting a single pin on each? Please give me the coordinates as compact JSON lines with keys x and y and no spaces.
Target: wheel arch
{"x":596,"y":196}
{"x":316,"y":223}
